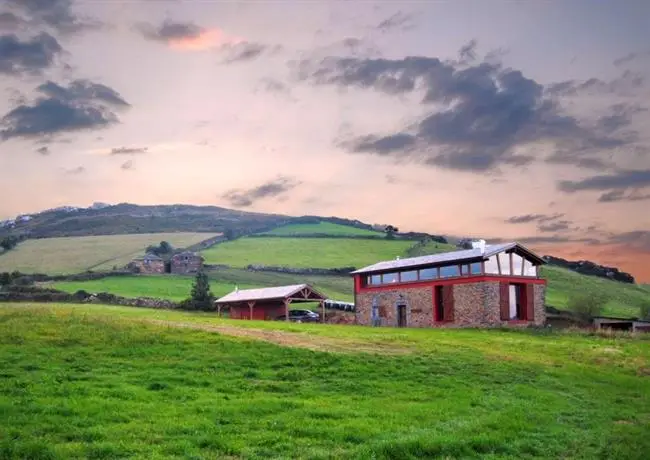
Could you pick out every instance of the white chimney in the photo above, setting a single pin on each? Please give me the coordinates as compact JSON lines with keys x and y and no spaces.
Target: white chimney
{"x":479,"y":244}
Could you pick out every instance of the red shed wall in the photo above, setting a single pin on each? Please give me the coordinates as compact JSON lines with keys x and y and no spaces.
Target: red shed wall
{"x":261,"y":311}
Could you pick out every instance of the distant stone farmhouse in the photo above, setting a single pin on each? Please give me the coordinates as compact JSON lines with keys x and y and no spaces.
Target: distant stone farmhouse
{"x":186,"y":262}
{"x":148,"y":263}
{"x":487,"y":285}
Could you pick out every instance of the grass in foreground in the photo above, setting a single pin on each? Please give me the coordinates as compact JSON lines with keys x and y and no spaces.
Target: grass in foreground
{"x":92,"y":382}
{"x":304,"y":252}
{"x":624,"y":299}
{"x":175,"y":287}
{"x":322,"y":228}
{"x":77,"y":254}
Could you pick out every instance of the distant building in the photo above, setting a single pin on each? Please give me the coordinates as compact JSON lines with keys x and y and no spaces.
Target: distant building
{"x":186,"y":262}
{"x":487,"y":285}
{"x":148,"y":263}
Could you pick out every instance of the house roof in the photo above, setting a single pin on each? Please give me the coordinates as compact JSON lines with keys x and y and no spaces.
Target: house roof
{"x":270,"y":293}
{"x":148,"y":256}
{"x":452,"y":256}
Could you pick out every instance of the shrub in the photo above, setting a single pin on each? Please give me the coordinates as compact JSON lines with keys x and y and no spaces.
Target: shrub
{"x":644,"y":310}
{"x":585,"y":307}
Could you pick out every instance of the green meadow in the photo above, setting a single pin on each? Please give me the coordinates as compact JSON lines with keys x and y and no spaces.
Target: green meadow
{"x":305,"y":252}
{"x":106,"y":382}
{"x":322,"y":228}
{"x":81,"y":253}
{"x":174,"y":287}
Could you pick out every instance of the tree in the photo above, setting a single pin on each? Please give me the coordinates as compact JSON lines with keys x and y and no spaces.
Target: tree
{"x":9,"y":242}
{"x":162,"y":249}
{"x":390,"y":231}
{"x":5,"y":279}
{"x":586,"y":306}
{"x":201,"y":298}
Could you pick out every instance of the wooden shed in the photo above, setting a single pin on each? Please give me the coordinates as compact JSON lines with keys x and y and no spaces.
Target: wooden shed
{"x":268,"y":303}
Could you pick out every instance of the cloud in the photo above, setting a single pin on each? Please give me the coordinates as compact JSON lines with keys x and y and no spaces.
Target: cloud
{"x":467,"y":52}
{"x":29,"y":56}
{"x":45,"y":150}
{"x":128,"y":150}
{"x":127,"y":166}
{"x":552,"y":227}
{"x":246,"y":51}
{"x":631,"y":57}
{"x":638,"y":239}
{"x":627,"y":83}
{"x":273,"y":189}
{"x":82,"y":105}
{"x":9,"y":21}
{"x":399,"y":21}
{"x":56,"y":14}
{"x":622,"y":195}
{"x":76,"y":171}
{"x":186,"y":35}
{"x":620,"y":180}
{"x":527,"y":218}
{"x":480,"y":116}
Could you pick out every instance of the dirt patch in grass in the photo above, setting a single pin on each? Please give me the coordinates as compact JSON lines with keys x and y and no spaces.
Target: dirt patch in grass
{"x":292,"y":339}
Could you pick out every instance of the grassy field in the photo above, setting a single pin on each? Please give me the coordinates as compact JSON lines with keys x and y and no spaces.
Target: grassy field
{"x":305,"y":252}
{"x":322,"y":228}
{"x":105,"y":382}
{"x":623,"y":299}
{"x":222,"y":282}
{"x":77,"y":254}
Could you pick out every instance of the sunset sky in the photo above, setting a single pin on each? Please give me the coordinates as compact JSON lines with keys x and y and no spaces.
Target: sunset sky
{"x":504,"y":120}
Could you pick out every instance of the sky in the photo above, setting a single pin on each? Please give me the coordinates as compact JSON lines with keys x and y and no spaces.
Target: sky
{"x":499,"y":120}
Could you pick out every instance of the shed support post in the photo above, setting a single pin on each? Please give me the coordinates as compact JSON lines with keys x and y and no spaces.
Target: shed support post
{"x":250,"y":307}
{"x":219,"y":310}
{"x":322,"y":310}
{"x":286,"y":309}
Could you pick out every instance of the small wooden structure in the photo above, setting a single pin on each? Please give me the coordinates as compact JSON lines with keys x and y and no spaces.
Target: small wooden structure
{"x":622,"y":324}
{"x":268,"y":303}
{"x":147,"y":264}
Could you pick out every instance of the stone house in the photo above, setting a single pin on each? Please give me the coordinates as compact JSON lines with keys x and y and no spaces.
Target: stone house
{"x":185,"y":263}
{"x":148,"y":263}
{"x":485,"y":286}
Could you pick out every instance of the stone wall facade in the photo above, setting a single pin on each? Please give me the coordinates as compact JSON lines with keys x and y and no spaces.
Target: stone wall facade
{"x":147,"y":266}
{"x":186,"y":263}
{"x":474,"y":305}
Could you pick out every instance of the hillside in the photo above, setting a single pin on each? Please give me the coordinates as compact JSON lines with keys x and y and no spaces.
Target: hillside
{"x":106,"y":382}
{"x":130,"y":218}
{"x":78,"y":254}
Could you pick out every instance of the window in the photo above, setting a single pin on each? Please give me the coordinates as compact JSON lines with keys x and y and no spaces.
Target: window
{"x":374,"y":279}
{"x":475,"y":268}
{"x":440,"y":306}
{"x":491,"y":265}
{"x":529,"y":268}
{"x":387,"y":278}
{"x":429,"y":274}
{"x":516,"y":308}
{"x":449,"y":271}
{"x":464,"y":270}
{"x":517,"y":264}
{"x":504,"y":263}
{"x":409,"y":276}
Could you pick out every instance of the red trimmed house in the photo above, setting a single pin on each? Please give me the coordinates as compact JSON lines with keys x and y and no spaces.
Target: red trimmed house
{"x":486,"y":286}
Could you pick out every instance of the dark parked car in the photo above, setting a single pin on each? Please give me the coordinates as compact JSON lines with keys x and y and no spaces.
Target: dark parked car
{"x":301,"y":316}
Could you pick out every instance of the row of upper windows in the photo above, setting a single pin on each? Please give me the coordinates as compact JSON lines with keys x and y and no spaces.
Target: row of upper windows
{"x":501,"y":264}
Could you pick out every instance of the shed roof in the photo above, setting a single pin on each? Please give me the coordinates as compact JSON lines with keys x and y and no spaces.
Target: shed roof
{"x":452,"y":256}
{"x":271,"y":293}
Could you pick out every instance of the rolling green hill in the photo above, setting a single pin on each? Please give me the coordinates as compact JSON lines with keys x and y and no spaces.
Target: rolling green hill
{"x":305,"y":252}
{"x":78,"y":254}
{"x":222,"y":282}
{"x":321,"y":228}
{"x":96,"y":382}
